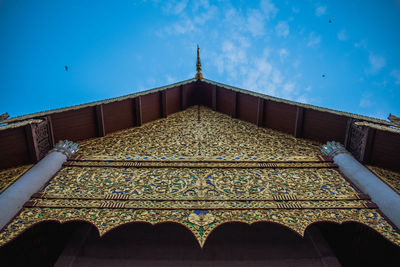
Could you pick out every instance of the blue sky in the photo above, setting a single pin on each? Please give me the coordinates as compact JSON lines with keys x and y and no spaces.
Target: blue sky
{"x":286,"y":49}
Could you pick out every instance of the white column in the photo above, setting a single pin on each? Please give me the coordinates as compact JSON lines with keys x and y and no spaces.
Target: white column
{"x":386,"y":198}
{"x":14,"y":197}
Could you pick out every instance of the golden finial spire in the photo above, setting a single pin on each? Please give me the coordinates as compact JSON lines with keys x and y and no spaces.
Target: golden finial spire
{"x":198,"y":65}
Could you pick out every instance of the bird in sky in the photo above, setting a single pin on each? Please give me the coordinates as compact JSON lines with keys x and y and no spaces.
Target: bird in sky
{"x":66,"y":68}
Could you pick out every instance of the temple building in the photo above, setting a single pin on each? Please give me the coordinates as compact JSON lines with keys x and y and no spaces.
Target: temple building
{"x":199,"y":173}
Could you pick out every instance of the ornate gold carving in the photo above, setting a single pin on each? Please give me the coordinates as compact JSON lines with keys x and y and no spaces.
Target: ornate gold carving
{"x":202,"y":224}
{"x":200,"y":169}
{"x":43,"y":139}
{"x":9,"y":176}
{"x":220,"y":137}
{"x":185,"y":183}
{"x":358,"y":141}
{"x":198,"y":164}
{"x":197,"y":204}
{"x":66,"y":147}
{"x":391,"y":178}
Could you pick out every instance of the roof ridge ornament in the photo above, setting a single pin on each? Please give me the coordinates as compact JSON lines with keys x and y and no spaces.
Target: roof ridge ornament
{"x":394,"y":119}
{"x":5,"y":116}
{"x":199,"y":75}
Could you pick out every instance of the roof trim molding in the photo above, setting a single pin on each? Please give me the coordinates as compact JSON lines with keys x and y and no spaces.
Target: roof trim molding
{"x":95,"y":103}
{"x":229,"y":87}
{"x":277,"y":99}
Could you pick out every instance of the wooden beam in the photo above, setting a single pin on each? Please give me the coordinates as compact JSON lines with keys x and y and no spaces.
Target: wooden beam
{"x":183,"y":98}
{"x":51,"y":131}
{"x":138,"y":110}
{"x":369,"y":145}
{"x":347,"y":136}
{"x":163,"y":103}
{"x":214,"y":97}
{"x":260,"y":112}
{"x":361,"y":142}
{"x":298,"y":127}
{"x":235,"y":105}
{"x":31,"y":140}
{"x":100,"y":120}
{"x":265,"y":111}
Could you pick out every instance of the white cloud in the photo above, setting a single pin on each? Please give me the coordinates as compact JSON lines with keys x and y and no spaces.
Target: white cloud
{"x":231,"y":58}
{"x":308,"y":89}
{"x":255,"y":23}
{"x":288,"y":88}
{"x":342,"y":36}
{"x":283,"y":53}
{"x":320,"y":10}
{"x":258,"y":76}
{"x":303,"y":99}
{"x":381,"y":84}
{"x":207,"y":15}
{"x":170,"y":79}
{"x":313,"y":40}
{"x":298,"y":75}
{"x":362,"y":44}
{"x":282,"y":29}
{"x":277,"y":77}
{"x":366,"y":100}
{"x":396,"y":75}
{"x":175,"y":7}
{"x":236,"y":57}
{"x":234,"y":20}
{"x":200,"y":4}
{"x":376,"y":63}
{"x":268,"y":9}
{"x":185,"y":25}
{"x":296,"y":63}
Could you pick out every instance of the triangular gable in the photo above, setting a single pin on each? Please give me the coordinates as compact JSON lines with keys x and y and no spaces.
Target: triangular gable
{"x":201,"y":169}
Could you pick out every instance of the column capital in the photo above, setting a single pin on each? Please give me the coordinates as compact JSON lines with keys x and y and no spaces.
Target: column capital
{"x":333,"y":148}
{"x":68,"y":148}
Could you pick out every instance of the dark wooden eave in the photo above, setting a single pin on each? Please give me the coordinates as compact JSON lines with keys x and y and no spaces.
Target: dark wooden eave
{"x":22,"y":141}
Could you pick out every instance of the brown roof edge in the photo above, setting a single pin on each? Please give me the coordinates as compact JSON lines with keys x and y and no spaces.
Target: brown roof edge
{"x":19,"y":124}
{"x":236,"y":89}
{"x":90,"y":104}
{"x":336,"y":112}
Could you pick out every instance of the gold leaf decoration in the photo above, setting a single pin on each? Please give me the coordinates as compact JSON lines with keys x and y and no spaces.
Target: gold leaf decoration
{"x":200,"y":169}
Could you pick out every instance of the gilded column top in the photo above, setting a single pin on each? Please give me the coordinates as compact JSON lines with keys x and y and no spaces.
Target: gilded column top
{"x":332,"y":148}
{"x":66,"y":147}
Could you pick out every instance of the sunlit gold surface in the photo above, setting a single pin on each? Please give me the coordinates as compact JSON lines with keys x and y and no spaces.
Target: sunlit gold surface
{"x":9,"y":176}
{"x":200,"y":169}
{"x":196,"y":221}
{"x":194,"y":183}
{"x":216,"y":135}
{"x":391,"y":178}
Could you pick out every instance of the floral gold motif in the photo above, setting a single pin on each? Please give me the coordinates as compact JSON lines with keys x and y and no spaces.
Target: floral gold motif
{"x":201,"y":169}
{"x":9,"y":176}
{"x":201,"y":219}
{"x":391,"y":178}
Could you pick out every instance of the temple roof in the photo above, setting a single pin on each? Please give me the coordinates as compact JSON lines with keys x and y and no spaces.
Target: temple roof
{"x":372,"y":141}
{"x":203,"y":80}
{"x":199,"y":168}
